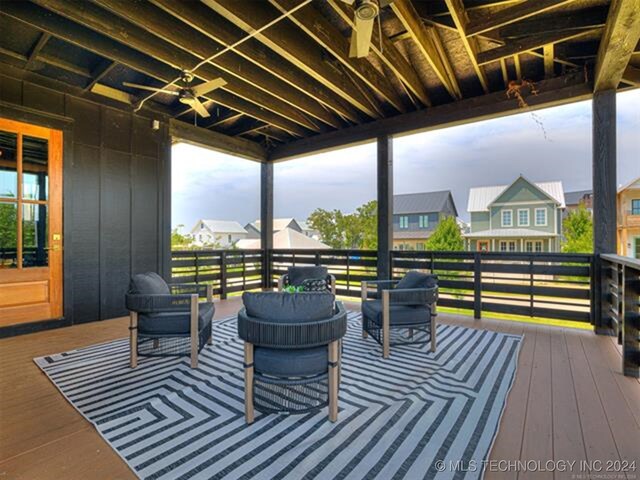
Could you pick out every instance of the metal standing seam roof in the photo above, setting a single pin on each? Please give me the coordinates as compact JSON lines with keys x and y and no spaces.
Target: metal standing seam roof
{"x":481,"y":197}
{"x":573,"y":198}
{"x":424,"y":202}
{"x":286,"y":238}
{"x":221,"y":226}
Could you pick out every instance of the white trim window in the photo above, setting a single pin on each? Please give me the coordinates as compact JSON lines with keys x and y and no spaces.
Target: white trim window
{"x":507,"y":218}
{"x":404,"y":221}
{"x":423,"y":221}
{"x":533,"y":246}
{"x":503,"y":246}
{"x":538,"y":246}
{"x":512,"y":246}
{"x":523,"y":217}
{"x":541,"y":217}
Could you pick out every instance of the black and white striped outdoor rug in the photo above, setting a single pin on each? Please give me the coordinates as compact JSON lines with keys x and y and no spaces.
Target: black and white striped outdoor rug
{"x":399,"y":418}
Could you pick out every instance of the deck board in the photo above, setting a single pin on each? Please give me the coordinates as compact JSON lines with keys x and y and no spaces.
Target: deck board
{"x":555,"y":410}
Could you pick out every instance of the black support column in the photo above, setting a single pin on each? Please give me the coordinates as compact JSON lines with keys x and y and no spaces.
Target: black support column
{"x":385,"y":206}
{"x":266,"y":221}
{"x":604,"y":195}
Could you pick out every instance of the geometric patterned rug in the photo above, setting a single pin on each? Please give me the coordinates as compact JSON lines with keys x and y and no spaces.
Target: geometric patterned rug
{"x":415,"y":415}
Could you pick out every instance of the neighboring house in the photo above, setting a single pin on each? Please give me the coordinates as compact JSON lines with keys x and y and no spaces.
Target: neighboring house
{"x":628,"y":201}
{"x":221,"y":232}
{"x":416,"y":215}
{"x":573,"y":200}
{"x":253,"y":228}
{"x":287,"y":238}
{"x":309,"y":231}
{"x":521,"y":217}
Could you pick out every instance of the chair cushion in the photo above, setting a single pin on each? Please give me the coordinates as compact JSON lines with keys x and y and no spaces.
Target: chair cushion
{"x":289,"y":307}
{"x":175,"y":323}
{"x":291,"y":363}
{"x":297,"y":275}
{"x":416,"y":279}
{"x":315,"y":285}
{"x":398,"y":314}
{"x":149,"y":283}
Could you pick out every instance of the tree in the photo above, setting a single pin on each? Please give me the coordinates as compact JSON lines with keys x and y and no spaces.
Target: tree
{"x":358,"y":230}
{"x":578,"y":231}
{"x":368,"y":222}
{"x":178,"y":240}
{"x":446,"y":237}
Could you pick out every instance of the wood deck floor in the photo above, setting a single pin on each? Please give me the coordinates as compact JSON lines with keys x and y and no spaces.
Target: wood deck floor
{"x":569,"y":402}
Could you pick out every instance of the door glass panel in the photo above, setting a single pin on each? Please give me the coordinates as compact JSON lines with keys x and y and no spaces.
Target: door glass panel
{"x":35,"y":168}
{"x":34,"y":236}
{"x":8,"y":165}
{"x":8,"y":235}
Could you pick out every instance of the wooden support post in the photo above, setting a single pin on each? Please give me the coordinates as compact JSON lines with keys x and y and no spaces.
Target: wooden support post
{"x":194,"y":330}
{"x":133,"y":335}
{"x":631,"y":323}
{"x":223,"y":275}
{"x":248,"y":382}
{"x":385,"y":324}
{"x":477,"y":286}
{"x":363,"y":297}
{"x":385,"y":206}
{"x":604,"y":195}
{"x":266,"y":221}
{"x":210,"y":300}
{"x":333,"y":380}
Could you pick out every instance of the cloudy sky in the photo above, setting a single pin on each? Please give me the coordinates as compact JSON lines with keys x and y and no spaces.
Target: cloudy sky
{"x":211,"y":185}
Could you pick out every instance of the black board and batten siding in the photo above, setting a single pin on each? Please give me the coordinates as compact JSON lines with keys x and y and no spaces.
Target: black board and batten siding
{"x":116,"y":209}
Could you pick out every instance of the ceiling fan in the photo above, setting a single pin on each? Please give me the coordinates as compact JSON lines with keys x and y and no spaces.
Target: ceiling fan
{"x":366,"y":12}
{"x":187,"y":94}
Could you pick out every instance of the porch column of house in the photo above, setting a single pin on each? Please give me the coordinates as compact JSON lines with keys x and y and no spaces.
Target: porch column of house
{"x":604,"y":196}
{"x":266,"y":221}
{"x":385,"y":206}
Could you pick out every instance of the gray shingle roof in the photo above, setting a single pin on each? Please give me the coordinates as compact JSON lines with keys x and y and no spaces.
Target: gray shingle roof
{"x":425,"y":202}
{"x":573,"y":198}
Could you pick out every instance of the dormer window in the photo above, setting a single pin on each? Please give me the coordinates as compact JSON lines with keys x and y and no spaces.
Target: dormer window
{"x":507,"y":218}
{"x":202,"y":226}
{"x":404,"y":221}
{"x":423,"y":221}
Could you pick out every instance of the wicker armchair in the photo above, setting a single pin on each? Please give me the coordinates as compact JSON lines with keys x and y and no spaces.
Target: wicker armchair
{"x":292,"y":352}
{"x":167,"y":320}
{"x":398,"y":306}
{"x":297,"y":275}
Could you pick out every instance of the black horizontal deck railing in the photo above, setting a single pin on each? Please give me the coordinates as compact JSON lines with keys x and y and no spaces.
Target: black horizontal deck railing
{"x":621,"y":307}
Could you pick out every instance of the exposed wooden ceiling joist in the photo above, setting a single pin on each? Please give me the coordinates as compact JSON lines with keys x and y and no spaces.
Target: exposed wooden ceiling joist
{"x":318,"y":27}
{"x":459,"y":15}
{"x":426,"y":43}
{"x":42,"y":41}
{"x":619,"y":40}
{"x":267,"y":107}
{"x":512,"y":14}
{"x":578,"y":20}
{"x":631,"y":76}
{"x":209,"y":23}
{"x":556,"y":91}
{"x":388,"y":54}
{"x":287,"y":42}
{"x":100,"y":72}
{"x":49,"y":60}
{"x":183,"y":36}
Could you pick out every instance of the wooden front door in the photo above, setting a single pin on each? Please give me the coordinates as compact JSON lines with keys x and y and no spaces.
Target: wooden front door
{"x":483,"y":246}
{"x":30,"y":223}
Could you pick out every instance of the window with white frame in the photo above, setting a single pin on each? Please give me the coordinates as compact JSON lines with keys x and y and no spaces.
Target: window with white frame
{"x":507,"y":218}
{"x":541,"y":217}
{"x":512,"y":246}
{"x":503,"y":246}
{"x":538,"y":247}
{"x":420,"y":246}
{"x":404,"y":221}
{"x":528,"y":247}
{"x":423,"y":221}
{"x":523,"y":217}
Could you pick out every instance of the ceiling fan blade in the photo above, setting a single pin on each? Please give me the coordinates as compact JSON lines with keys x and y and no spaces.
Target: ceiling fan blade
{"x":206,"y":87}
{"x":151,"y":89}
{"x":199,"y":107}
{"x":361,"y":37}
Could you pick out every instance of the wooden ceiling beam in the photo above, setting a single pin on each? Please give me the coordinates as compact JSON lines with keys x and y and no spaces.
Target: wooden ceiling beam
{"x":39,"y":45}
{"x":181,"y":35}
{"x":201,"y":18}
{"x":322,"y":31}
{"x":512,"y":14}
{"x":426,"y":39}
{"x":388,"y":54}
{"x":240,"y":147}
{"x":287,"y":42}
{"x":548,"y":60}
{"x":577,"y":20}
{"x":631,"y":76}
{"x":619,"y":40}
{"x":267,"y":107}
{"x":49,"y":60}
{"x":528,"y":44}
{"x":100,"y":72}
{"x":555,"y":91}
{"x":460,"y":18}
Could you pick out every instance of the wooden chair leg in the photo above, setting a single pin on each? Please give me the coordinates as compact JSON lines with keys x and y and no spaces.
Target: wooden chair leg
{"x":156,"y":342}
{"x":248,"y":383}
{"x":385,"y":324}
{"x":194,"y":331}
{"x":133,"y":335}
{"x":333,"y":380}
{"x":433,"y":329}
{"x":210,"y":300}
{"x":411,"y":333}
{"x":363,"y":298}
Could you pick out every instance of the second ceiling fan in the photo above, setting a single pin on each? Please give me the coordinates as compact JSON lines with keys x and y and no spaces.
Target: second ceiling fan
{"x":366,"y":12}
{"x":187,"y":94}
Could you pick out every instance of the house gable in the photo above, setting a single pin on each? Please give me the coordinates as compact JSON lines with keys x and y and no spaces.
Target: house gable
{"x":522,"y":191}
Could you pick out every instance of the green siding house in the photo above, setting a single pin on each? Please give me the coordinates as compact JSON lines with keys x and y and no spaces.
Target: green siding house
{"x":521,"y":217}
